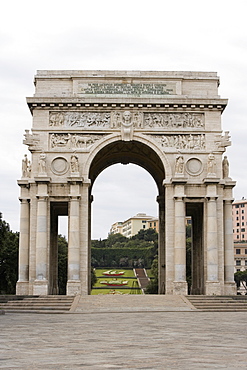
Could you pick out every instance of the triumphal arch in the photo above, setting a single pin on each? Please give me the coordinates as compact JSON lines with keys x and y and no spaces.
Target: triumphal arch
{"x":169,"y":123}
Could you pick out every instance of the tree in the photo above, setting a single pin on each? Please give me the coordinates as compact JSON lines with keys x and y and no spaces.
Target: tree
{"x":241,"y":277}
{"x":152,"y":287}
{"x":9,"y":242}
{"x":62,"y":264}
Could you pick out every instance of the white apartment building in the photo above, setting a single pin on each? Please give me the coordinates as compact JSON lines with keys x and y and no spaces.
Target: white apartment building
{"x":133,"y":224}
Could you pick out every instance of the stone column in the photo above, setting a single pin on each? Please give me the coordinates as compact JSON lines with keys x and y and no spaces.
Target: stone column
{"x":74,"y":284}
{"x":161,"y":245}
{"x":212,"y":283}
{"x":229,"y":284}
{"x":180,"y":284}
{"x":22,"y":286}
{"x":85,"y":269}
{"x":41,"y":282}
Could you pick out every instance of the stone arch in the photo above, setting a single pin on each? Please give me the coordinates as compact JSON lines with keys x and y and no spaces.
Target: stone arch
{"x":168,"y":123}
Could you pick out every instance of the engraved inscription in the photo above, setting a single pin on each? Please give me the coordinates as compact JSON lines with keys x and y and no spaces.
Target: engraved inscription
{"x":138,"y":89}
{"x":73,"y":141}
{"x":180,"y":142}
{"x":80,"y":119}
{"x":174,"y":120}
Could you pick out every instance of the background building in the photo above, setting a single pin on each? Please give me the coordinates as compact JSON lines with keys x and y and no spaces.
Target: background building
{"x":134,"y":224}
{"x":239,"y":220}
{"x":240,"y":257}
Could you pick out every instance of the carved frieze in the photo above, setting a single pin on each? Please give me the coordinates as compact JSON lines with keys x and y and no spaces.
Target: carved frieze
{"x":181,"y":142}
{"x":174,"y":120}
{"x":80,"y":119}
{"x":72,"y":141}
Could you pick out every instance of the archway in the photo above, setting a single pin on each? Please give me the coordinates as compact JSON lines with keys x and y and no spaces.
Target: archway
{"x":142,"y":155}
{"x":169,"y":123}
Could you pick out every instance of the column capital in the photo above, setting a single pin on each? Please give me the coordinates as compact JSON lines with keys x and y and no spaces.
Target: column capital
{"x":24,"y":199}
{"x":74,"y":197}
{"x":42,"y":198}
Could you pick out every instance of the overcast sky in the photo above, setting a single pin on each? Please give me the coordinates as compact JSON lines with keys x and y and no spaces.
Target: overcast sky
{"x":134,"y":35}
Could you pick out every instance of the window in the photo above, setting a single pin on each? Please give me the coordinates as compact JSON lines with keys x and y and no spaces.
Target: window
{"x":243,"y":230}
{"x":242,"y":224}
{"x":238,"y":263}
{"x":245,"y":251}
{"x":154,"y":223}
{"x":238,"y":270}
{"x":245,"y":262}
{"x":242,"y":217}
{"x":237,"y":236}
{"x":144,"y":222}
{"x":237,"y":223}
{"x":241,"y":205}
{"x":242,"y":210}
{"x":237,"y":218}
{"x":144,"y":226}
{"x":237,"y":230}
{"x":237,"y":206}
{"x":242,"y":236}
{"x":236,"y":212}
{"x":238,"y":251}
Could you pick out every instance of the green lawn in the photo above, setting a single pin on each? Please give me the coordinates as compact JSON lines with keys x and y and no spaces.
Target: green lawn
{"x":128,"y":275}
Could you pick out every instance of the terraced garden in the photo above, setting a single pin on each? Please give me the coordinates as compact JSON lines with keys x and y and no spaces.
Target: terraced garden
{"x":119,"y":281}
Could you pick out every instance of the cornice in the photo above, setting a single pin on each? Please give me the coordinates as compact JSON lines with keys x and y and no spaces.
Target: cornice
{"x":177,"y":104}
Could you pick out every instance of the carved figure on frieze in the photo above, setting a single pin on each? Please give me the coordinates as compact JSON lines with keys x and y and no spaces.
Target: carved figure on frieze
{"x":225,"y":168}
{"x":127,"y":126}
{"x":71,"y":141}
{"x":174,"y":120}
{"x":25,"y":166}
{"x":56,"y":119}
{"x":42,"y":164}
{"x":182,"y":142}
{"x":74,"y":164}
{"x":179,"y":165}
{"x":211,"y":164}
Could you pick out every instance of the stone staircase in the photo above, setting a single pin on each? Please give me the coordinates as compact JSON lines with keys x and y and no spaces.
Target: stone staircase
{"x":41,"y":304}
{"x":218,"y":303}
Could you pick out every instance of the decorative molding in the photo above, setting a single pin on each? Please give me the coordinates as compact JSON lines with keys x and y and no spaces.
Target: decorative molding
{"x":59,"y":166}
{"x":194,"y":166}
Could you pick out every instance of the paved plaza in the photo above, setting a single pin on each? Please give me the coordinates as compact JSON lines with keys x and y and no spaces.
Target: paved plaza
{"x":124,"y":340}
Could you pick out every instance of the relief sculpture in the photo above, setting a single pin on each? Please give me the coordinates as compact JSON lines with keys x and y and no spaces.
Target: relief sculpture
{"x":174,"y":120}
{"x":80,"y":119}
{"x":187,"y":142}
{"x":73,"y":141}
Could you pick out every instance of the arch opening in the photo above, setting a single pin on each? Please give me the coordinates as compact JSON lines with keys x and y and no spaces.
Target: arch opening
{"x":141,"y":155}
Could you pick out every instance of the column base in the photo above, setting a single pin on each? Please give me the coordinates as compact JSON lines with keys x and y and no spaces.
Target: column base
{"x":40,"y":287}
{"x":230,"y":288}
{"x":73,"y":287}
{"x":22,"y":288}
{"x":180,"y":288}
{"x":212,"y":288}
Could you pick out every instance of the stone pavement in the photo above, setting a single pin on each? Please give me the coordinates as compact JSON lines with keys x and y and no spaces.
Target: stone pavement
{"x":124,"y":340}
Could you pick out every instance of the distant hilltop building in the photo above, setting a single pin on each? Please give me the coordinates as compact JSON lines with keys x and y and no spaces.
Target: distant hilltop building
{"x":134,"y":224}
